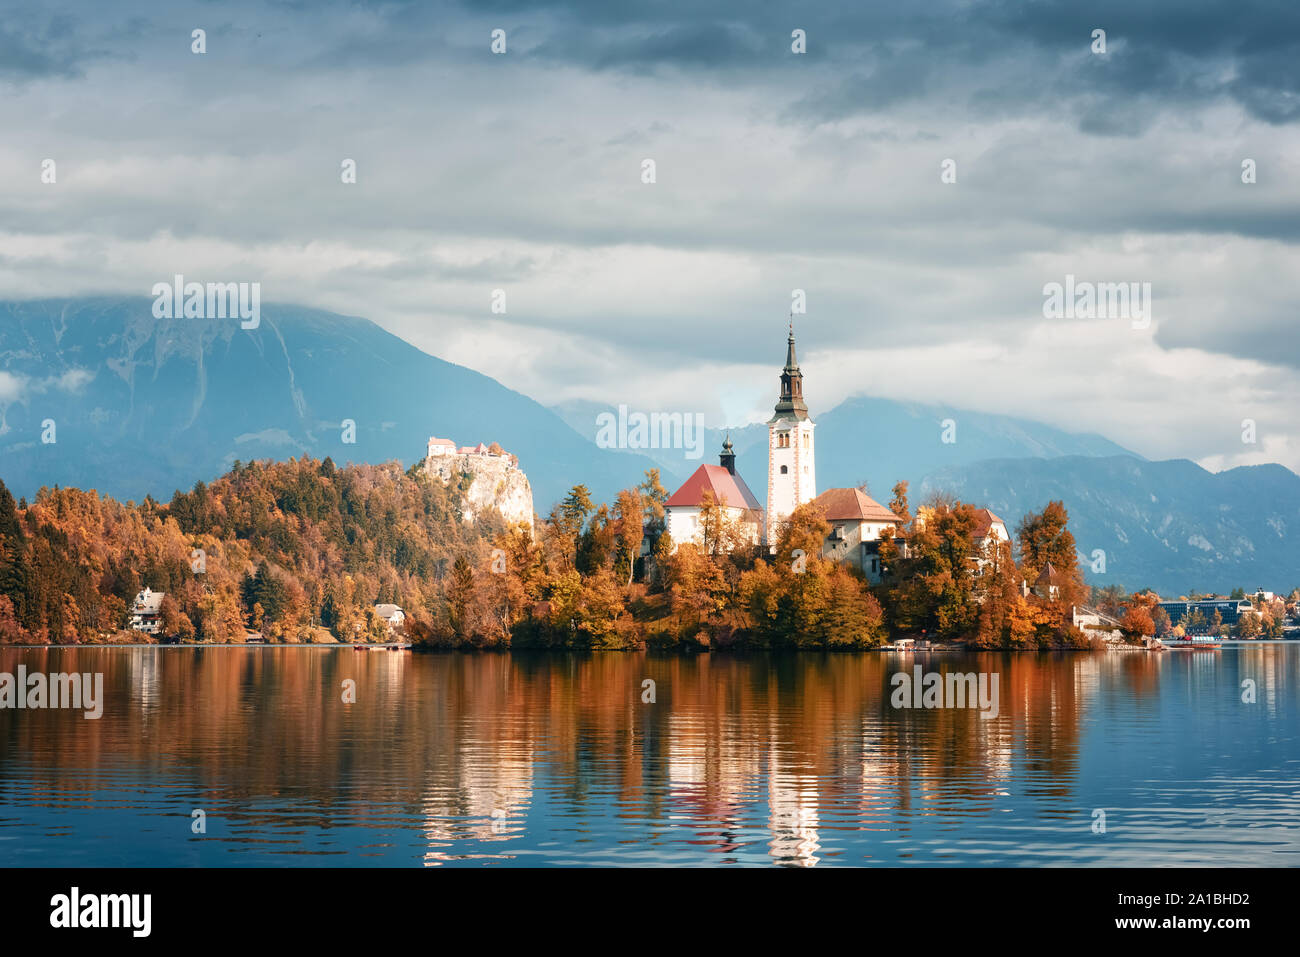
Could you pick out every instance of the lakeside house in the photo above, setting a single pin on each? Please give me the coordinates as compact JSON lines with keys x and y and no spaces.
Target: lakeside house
{"x":392,"y":616}
{"x":1048,"y":584}
{"x":146,"y":611}
{"x":857,"y":522}
{"x":990,"y":532}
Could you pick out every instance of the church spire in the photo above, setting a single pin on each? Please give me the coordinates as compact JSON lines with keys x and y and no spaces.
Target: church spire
{"x":728,"y":457}
{"x":791,"y":403}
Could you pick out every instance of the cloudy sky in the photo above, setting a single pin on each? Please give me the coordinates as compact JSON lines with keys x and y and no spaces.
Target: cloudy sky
{"x":775,"y":171}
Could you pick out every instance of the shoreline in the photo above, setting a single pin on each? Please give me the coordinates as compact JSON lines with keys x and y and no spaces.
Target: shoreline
{"x":403,"y":646}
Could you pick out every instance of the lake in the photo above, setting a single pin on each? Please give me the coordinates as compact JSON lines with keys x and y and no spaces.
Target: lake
{"x":1093,"y":759}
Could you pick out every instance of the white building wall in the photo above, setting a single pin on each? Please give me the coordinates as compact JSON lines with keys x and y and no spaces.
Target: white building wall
{"x":683,"y":524}
{"x":787,"y":490}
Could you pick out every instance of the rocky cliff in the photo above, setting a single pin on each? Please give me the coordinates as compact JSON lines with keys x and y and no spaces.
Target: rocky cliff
{"x":488,"y":481}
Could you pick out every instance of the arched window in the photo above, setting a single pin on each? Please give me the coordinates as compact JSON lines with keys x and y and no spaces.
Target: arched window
{"x":784,"y":470}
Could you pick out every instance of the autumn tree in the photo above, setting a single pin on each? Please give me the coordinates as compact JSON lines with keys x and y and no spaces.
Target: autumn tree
{"x":932,"y":584}
{"x":801,"y":536}
{"x":853,"y":617}
{"x":1249,"y":626}
{"x":654,"y":499}
{"x":565,"y":524}
{"x":12,"y":547}
{"x":762,"y":597}
{"x":1109,"y":600}
{"x":460,"y":597}
{"x":1043,"y":537}
{"x":696,"y":586}
{"x":597,"y":546}
{"x":898,"y":504}
{"x":1137,"y":621}
{"x":629,"y":519}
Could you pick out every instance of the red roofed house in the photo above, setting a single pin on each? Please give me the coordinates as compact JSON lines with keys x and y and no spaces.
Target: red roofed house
{"x":439,"y":446}
{"x":990,"y":532}
{"x":856,"y":521}
{"x":729,"y":491}
{"x":1049,"y":583}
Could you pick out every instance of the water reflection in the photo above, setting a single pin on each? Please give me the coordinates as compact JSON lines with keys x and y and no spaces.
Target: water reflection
{"x":536,"y":759}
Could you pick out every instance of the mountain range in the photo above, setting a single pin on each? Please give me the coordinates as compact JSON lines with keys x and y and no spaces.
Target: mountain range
{"x":136,"y":405}
{"x":875,"y":442}
{"x":143,"y":406}
{"x":1171,"y":526}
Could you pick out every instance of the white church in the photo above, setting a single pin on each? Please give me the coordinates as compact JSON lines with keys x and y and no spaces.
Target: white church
{"x":856,"y":519}
{"x":791,"y":454}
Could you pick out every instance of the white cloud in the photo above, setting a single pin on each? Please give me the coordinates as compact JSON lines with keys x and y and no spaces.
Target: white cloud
{"x":11,"y":386}
{"x":477,"y":173}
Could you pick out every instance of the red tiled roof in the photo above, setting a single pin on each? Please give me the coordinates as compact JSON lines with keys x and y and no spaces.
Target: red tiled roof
{"x":433,"y":440}
{"x":1049,"y":576}
{"x":852,"y":505}
{"x":984,"y":520}
{"x":729,"y":490}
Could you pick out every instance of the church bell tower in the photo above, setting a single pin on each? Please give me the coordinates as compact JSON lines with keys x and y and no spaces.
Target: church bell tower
{"x":791,"y":465}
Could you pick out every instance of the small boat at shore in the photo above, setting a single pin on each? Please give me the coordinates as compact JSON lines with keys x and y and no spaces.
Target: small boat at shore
{"x":1200,"y":643}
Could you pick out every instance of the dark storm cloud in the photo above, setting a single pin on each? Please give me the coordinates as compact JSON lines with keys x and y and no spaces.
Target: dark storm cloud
{"x":776,"y":171}
{"x":46,"y":50}
{"x":996,"y":57}
{"x":1273,"y":337}
{"x":1164,"y":53}
{"x":694,"y":46}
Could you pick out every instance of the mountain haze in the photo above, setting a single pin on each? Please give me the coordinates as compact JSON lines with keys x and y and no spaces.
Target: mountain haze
{"x":139,"y":405}
{"x":1169,"y":525}
{"x":144,"y":405}
{"x":878,"y":441}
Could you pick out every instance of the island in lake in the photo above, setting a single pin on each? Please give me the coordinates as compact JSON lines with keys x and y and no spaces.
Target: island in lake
{"x":448,"y":554}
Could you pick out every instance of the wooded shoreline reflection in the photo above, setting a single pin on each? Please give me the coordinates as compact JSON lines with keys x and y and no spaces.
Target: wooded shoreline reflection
{"x":459,"y":747}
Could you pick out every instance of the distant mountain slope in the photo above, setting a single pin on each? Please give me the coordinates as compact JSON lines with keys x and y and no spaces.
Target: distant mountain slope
{"x":144,"y":405}
{"x":875,"y":440}
{"x":1169,"y":525}
{"x":674,"y":465}
{"x":141,"y":405}
{"x":882,"y":441}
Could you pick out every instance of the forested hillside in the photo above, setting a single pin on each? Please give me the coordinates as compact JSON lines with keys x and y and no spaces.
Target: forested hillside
{"x":273,"y":546}
{"x":302,"y":551}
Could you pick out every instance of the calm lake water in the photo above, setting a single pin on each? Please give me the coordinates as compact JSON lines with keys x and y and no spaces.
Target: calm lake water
{"x":499,"y":760}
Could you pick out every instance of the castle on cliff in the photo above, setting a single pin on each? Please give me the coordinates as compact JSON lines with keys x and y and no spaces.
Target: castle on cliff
{"x":496,"y":481}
